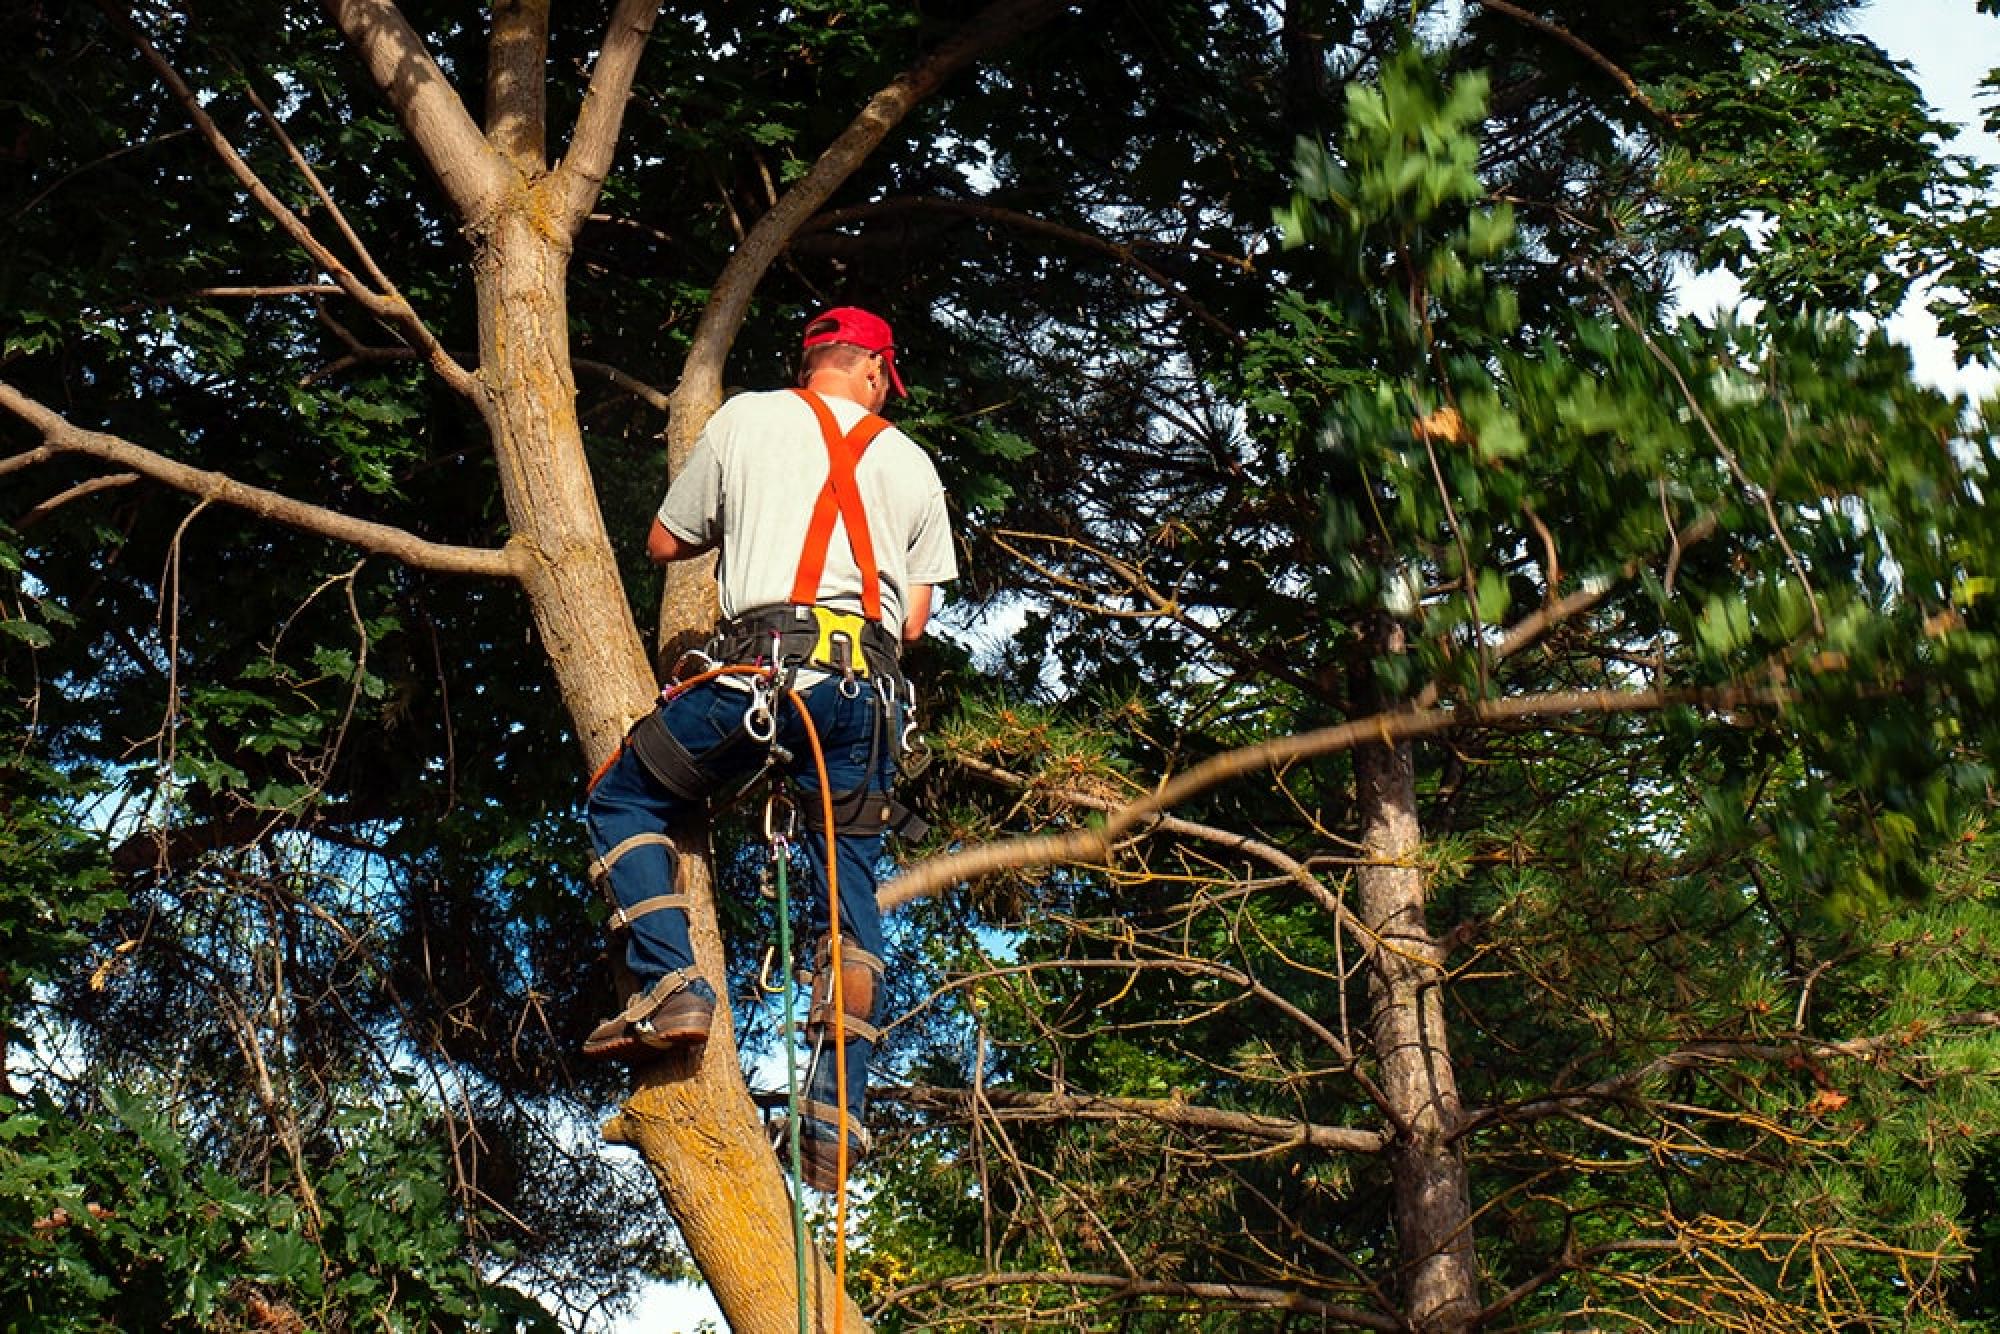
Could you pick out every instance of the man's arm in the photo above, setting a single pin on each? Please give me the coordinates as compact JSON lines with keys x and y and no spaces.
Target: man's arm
{"x":662,"y":546}
{"x":917,"y":614}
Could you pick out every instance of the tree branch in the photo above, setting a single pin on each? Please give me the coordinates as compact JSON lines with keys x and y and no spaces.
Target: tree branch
{"x":700,"y":388}
{"x":1028,"y":222}
{"x":930,"y":877}
{"x":1582,"y":48}
{"x":580,"y":175}
{"x":60,"y":437}
{"x":1277,"y":858}
{"x":389,"y":306}
{"x":1234,"y":1296}
{"x":474,"y":176}
{"x":1017,"y":1106}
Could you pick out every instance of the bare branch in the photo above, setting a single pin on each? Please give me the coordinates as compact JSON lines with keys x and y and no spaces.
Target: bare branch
{"x":389,"y":307}
{"x":1095,"y":843}
{"x":60,"y":437}
{"x":1015,"y":1106}
{"x":1582,"y":48}
{"x":580,"y":175}
{"x":77,"y":492}
{"x":1234,"y":1296}
{"x":639,"y":389}
{"x":1287,"y":865}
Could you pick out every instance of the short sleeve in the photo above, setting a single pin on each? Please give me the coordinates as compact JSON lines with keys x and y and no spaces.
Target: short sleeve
{"x":933,"y":560}
{"x":692,"y":510}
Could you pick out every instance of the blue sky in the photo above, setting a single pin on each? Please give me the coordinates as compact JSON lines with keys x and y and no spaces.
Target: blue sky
{"x":1951,"y":47}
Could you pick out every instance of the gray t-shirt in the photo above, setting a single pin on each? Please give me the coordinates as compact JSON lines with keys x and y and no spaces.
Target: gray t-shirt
{"x":751,"y":484}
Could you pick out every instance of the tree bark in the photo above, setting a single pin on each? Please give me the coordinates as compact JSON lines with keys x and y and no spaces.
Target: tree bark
{"x":1433,"y":1202}
{"x":693,"y":1121}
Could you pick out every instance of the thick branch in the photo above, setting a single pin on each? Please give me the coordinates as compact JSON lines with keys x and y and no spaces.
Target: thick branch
{"x":517,"y":81}
{"x":583,"y":169}
{"x":1015,"y":1106}
{"x":1234,"y":1296}
{"x":473,"y":175}
{"x":59,"y":437}
{"x":1094,"y":844}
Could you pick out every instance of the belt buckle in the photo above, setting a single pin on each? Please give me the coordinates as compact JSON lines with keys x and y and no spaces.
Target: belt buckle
{"x":837,"y":646}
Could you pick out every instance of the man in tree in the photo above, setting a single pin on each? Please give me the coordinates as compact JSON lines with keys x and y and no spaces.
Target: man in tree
{"x":833,"y":534}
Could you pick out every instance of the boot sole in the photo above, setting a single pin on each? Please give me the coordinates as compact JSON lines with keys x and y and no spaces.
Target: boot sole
{"x":630,"y":1046}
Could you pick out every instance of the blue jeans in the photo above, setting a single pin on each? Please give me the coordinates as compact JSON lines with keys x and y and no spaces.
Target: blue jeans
{"x":858,"y":741}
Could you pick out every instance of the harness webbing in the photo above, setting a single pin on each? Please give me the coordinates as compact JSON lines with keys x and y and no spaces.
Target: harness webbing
{"x":840,"y":498}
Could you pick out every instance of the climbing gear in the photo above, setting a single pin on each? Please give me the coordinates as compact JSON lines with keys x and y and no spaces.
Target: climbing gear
{"x":823,"y":638}
{"x":778,"y":835}
{"x":666,"y":1015}
{"x":859,"y":971}
{"x":822,"y":1165}
{"x":670,"y":763}
{"x":840,"y":499}
{"x":622,"y":917}
{"x":865,"y":812}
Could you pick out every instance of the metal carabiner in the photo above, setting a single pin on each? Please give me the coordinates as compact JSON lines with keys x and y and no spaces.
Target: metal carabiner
{"x":779,"y":834}
{"x":701,"y":663}
{"x":850,"y":686}
{"x":760,"y":719}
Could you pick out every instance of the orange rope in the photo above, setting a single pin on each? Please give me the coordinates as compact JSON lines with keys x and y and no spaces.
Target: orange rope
{"x":839,"y":1015}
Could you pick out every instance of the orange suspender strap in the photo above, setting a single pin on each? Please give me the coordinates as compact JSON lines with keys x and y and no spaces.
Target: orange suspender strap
{"x":840,"y":496}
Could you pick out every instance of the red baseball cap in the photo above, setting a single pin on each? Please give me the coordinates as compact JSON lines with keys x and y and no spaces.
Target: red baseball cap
{"x":851,"y":324}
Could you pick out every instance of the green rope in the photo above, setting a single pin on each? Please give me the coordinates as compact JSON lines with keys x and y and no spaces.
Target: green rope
{"x":781,"y":856}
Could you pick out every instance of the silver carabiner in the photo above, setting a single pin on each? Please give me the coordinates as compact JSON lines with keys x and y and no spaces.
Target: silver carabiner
{"x":760,"y":720}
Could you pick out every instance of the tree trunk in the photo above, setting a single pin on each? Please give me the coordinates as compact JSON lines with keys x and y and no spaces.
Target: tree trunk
{"x":692,"y":1120}
{"x":1433,"y":1209}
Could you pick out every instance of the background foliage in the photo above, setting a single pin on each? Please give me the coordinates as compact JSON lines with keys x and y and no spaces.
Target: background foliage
{"x":1716,"y":976}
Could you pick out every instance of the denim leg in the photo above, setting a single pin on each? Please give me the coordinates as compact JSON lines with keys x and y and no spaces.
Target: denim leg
{"x":628,"y":800}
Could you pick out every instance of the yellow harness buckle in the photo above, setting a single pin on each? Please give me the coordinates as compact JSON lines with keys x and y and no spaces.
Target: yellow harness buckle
{"x":838,"y":647}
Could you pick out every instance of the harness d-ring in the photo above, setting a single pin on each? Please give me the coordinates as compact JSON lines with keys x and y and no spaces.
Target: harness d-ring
{"x":760,"y":718}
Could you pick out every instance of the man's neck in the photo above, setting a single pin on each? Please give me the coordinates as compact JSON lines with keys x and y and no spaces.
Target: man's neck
{"x":839,"y":384}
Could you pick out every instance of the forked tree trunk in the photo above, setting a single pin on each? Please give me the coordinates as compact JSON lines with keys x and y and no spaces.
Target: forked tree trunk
{"x":1439,"y":1271}
{"x":692,"y":1120}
